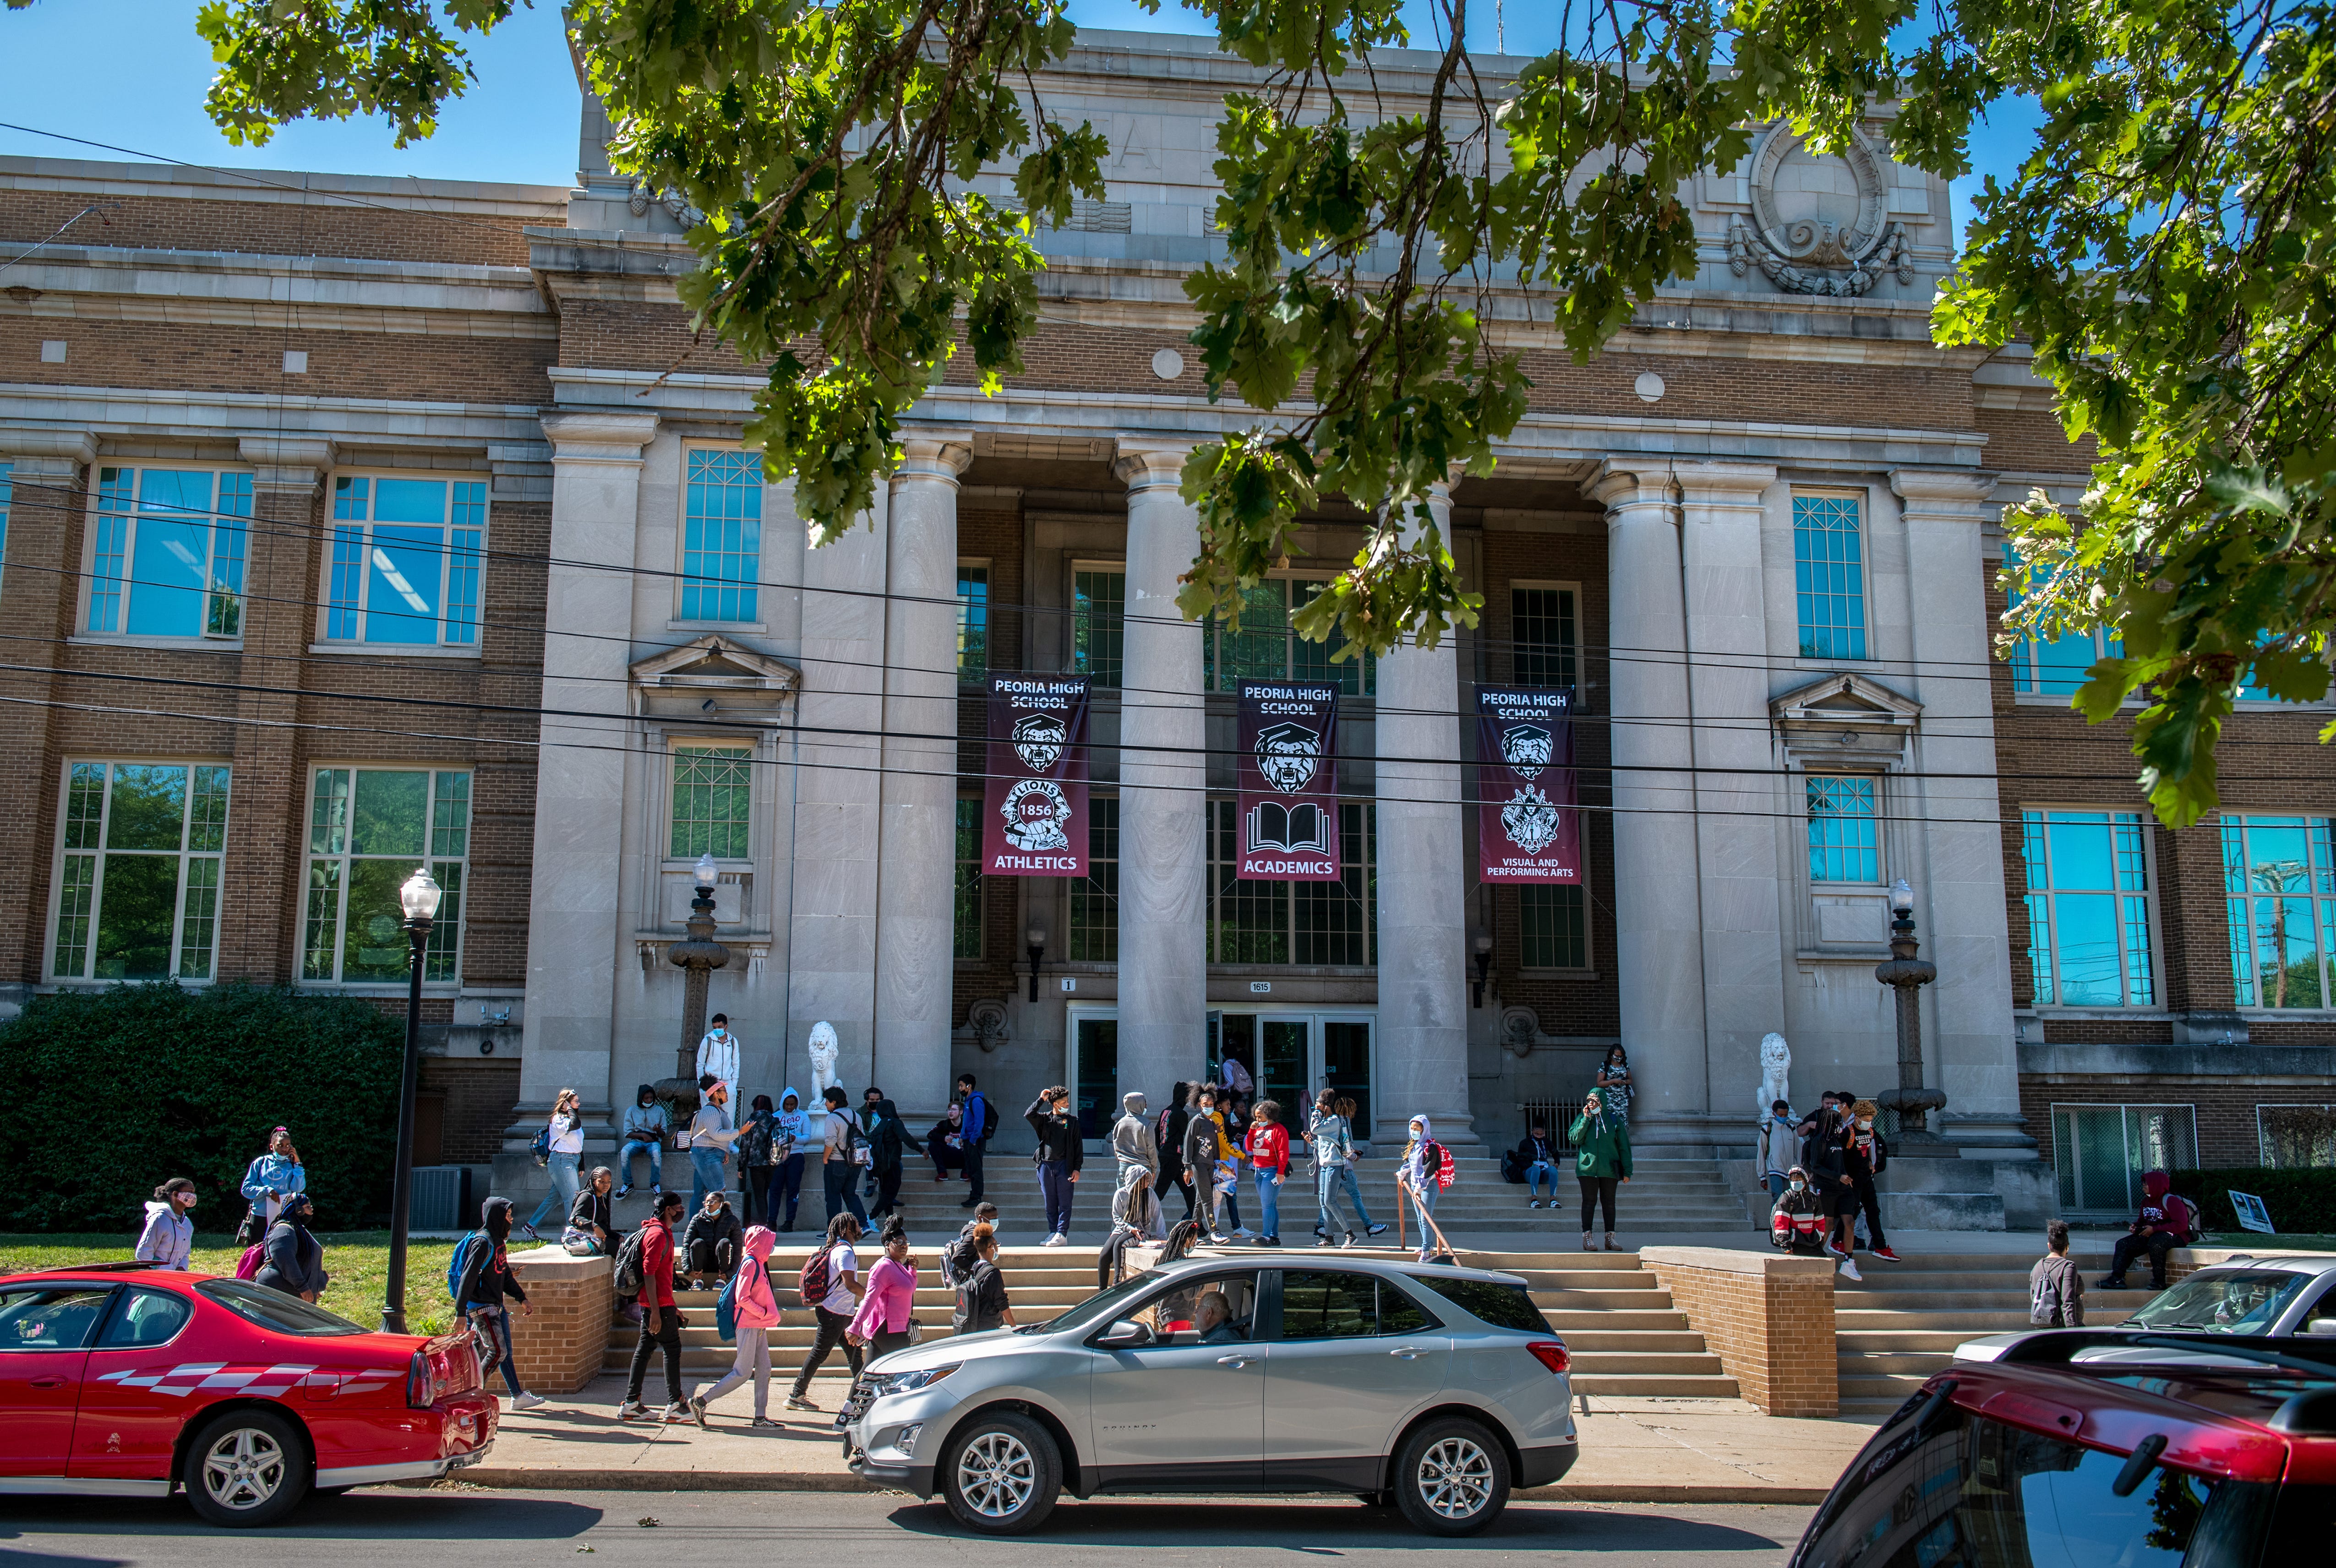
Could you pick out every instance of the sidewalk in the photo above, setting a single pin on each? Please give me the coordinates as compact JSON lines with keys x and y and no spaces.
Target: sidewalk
{"x":1632,"y":1451}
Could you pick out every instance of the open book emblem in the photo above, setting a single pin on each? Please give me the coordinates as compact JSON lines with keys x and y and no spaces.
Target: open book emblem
{"x":1301,"y":829}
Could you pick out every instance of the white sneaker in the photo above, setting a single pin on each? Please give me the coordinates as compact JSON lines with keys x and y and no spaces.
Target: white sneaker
{"x":1056,"y":1239}
{"x":1849,"y":1267}
{"x":526,"y":1401}
{"x":1243,"y":1233}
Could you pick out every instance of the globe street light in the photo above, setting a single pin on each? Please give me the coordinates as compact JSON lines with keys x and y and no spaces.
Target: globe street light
{"x":419,"y":898}
{"x":1907,"y":975}
{"x":699,"y":956}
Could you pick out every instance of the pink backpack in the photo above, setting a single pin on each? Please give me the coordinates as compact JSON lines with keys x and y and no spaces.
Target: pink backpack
{"x":253,"y":1256}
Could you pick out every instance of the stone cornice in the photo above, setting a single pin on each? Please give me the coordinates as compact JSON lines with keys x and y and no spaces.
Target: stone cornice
{"x":606,"y":438}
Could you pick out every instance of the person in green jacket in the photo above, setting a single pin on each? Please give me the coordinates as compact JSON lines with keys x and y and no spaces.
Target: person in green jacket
{"x":1602,"y":1162}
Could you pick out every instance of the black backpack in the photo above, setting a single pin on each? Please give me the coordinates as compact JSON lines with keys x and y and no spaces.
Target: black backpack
{"x":1513,"y":1170}
{"x":630,"y":1274}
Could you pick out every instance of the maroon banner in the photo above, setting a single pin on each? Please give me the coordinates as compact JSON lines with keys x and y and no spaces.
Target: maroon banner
{"x":1528,"y":826}
{"x":1288,"y":770}
{"x":1034,"y":823}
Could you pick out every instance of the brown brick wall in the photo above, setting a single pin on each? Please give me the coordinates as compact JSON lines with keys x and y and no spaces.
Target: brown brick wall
{"x":2024,"y":442}
{"x":1770,"y":1321}
{"x":2225,"y":1108}
{"x":323,"y":226}
{"x":560,"y":1346}
{"x":180,"y":355}
{"x":477,"y":1096}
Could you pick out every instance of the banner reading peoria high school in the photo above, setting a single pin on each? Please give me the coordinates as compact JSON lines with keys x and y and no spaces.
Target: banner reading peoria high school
{"x":1289,"y":773}
{"x":1034,"y":820}
{"x":1528,"y":828}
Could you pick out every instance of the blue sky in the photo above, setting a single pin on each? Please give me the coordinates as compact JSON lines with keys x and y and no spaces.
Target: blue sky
{"x":132,"y":74}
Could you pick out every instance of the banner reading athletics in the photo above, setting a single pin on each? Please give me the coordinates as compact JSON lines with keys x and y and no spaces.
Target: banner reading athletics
{"x":1528,"y":826}
{"x":1035,"y":819}
{"x":1289,"y":781}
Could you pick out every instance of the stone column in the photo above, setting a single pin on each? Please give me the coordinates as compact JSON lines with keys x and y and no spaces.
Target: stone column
{"x":1735,"y":838}
{"x":1657,"y":914}
{"x":1957,"y":871}
{"x":267,"y":787}
{"x":38,"y":598}
{"x":916,"y":876}
{"x":1164,"y":979}
{"x":1423,"y":883}
{"x":577,"y":931}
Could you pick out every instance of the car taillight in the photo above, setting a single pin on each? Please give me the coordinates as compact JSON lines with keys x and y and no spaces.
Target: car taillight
{"x":423,"y":1384}
{"x":1550,"y":1354}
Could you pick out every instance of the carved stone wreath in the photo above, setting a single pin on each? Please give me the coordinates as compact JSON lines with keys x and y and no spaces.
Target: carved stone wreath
{"x":1809,"y":241}
{"x":641,"y":195}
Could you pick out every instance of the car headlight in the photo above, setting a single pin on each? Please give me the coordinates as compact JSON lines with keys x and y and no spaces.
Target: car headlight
{"x":884,"y":1383}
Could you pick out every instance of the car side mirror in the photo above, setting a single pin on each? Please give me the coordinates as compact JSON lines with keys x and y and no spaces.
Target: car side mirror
{"x":1125,"y":1335}
{"x":2320,"y":1326}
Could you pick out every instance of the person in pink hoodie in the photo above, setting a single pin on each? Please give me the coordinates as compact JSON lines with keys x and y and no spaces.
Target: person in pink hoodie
{"x":757,"y":1307}
{"x":882,"y":1320}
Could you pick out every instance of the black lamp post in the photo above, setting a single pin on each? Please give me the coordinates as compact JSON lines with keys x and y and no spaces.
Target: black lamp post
{"x":1483,"y":943}
{"x":1037,"y":951}
{"x":419,"y":899}
{"x":699,"y":956}
{"x":1907,"y":975}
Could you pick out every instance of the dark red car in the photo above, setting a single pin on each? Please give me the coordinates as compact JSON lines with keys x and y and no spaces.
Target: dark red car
{"x":2099,"y":1449}
{"x":128,"y":1381}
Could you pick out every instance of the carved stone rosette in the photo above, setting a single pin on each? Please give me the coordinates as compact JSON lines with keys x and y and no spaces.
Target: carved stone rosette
{"x":1830,"y":245}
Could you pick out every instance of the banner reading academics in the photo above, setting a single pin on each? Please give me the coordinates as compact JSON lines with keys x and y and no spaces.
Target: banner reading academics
{"x":1528,"y":829}
{"x":1035,"y":819}
{"x":1289,"y":781}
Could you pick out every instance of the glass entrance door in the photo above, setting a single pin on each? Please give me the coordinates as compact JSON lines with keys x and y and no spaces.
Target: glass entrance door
{"x":1291,"y":1057}
{"x":1095,"y":1051}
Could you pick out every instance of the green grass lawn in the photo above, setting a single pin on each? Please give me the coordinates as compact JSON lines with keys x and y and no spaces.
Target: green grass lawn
{"x":358,"y":1261}
{"x":2297,"y":1243}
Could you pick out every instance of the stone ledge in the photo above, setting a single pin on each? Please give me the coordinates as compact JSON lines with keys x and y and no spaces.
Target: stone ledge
{"x":1727,"y":1261}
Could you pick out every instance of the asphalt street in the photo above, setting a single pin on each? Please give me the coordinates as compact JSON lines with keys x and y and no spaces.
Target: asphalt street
{"x":843,"y":1530}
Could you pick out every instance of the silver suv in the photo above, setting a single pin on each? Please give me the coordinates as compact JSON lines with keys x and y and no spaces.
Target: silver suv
{"x":1433,"y":1390}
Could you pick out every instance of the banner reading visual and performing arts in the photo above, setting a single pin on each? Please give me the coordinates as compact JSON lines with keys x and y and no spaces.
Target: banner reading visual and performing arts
{"x":1289,"y":781}
{"x":1034,"y":823}
{"x":1528,"y":827}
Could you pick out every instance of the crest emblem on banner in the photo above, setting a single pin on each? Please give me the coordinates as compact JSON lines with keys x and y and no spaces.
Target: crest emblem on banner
{"x":1530,"y":820}
{"x":1035,"y":812}
{"x":1527,"y":749}
{"x":1038,"y":741}
{"x":1288,"y":757}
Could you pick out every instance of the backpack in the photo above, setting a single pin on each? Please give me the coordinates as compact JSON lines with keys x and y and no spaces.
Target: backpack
{"x":454,"y":1267}
{"x":817,"y":1278}
{"x":1512,"y":1169}
{"x":958,"y":1259}
{"x":988,"y":1116}
{"x":726,"y":1307}
{"x":631,"y":1272}
{"x":541,"y":1144}
{"x":2181,"y":1214}
{"x":253,"y":1256}
{"x":1445,"y":1169}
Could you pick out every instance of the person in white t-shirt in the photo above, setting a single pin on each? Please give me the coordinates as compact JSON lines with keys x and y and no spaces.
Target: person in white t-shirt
{"x":567,"y":1124}
{"x":834,"y":1310}
{"x":718,"y":1054}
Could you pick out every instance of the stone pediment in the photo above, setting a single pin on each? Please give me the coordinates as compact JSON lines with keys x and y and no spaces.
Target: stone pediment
{"x":712,"y":674}
{"x":1843,"y":715}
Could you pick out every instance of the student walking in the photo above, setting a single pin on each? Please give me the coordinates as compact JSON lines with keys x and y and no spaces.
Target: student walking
{"x":958,"y":1258}
{"x":1058,"y":1155}
{"x":1537,"y":1158}
{"x":843,"y":1153}
{"x":567,"y":1128}
{"x":756,"y":1304}
{"x":295,"y":1258}
{"x":831,"y":1289}
{"x":982,"y":1303}
{"x":2055,"y":1286}
{"x":483,"y":1292}
{"x":1345,"y":1106}
{"x":169,"y":1237}
{"x":889,"y":1146}
{"x":1266,"y":1145}
{"x":1867,"y":1154}
{"x":589,"y":1226}
{"x":645,"y":1128}
{"x":797,"y":1135}
{"x":1329,"y":1143}
{"x":1602,"y":1162}
{"x":1200,"y":1150}
{"x":661,"y":1320}
{"x":888,"y":1305}
{"x":1170,"y":1135}
{"x":267,"y":1181}
{"x":759,"y":1152}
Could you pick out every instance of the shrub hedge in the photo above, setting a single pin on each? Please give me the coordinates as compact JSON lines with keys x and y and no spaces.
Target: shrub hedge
{"x":2300,"y":1201}
{"x":119,"y":1090}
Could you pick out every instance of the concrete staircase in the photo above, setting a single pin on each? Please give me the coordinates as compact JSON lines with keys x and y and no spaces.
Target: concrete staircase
{"x":1904,"y":1321}
{"x":1625,"y":1336}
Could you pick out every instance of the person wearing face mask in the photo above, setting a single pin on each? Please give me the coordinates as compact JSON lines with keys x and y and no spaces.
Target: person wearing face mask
{"x":484,"y":1291}
{"x":647,"y":1127}
{"x":795,"y":1129}
{"x":169,"y":1238}
{"x":1797,"y":1223}
{"x":267,"y":1181}
{"x":889,"y":1146}
{"x":718,"y":1054}
{"x":295,"y":1258}
{"x":1868,"y":1154}
{"x":567,"y":1129}
{"x":710,"y":1137}
{"x":1602,"y":1162}
{"x":1779,"y":1148}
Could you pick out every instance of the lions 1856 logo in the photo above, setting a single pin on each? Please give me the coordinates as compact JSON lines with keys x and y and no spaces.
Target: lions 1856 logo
{"x":1038,"y":740}
{"x":1530,"y":820}
{"x":1035,"y":812}
{"x":1288,"y":756}
{"x":1527,"y":749}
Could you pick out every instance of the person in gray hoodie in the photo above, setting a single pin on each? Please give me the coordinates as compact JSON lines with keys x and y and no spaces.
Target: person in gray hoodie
{"x":1133,"y":1145}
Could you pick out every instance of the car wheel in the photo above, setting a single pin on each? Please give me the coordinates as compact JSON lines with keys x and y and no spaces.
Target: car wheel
{"x":247,"y":1467}
{"x":1451,"y":1477}
{"x":1001,"y":1474}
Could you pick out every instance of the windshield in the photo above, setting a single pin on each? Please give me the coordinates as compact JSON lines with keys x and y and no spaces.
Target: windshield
{"x":2224,"y":1301}
{"x":1100,"y":1305}
{"x":276,"y":1311}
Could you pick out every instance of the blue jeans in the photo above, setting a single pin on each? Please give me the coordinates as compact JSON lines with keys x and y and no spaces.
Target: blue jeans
{"x":1536,"y":1173}
{"x":1354,"y":1195}
{"x":1775,"y":1184}
{"x":1269,"y":1203}
{"x":655,"y":1149}
{"x":1425,"y":1202}
{"x":1326,"y":1195}
{"x":1229,"y":1204}
{"x":1055,"y":1187}
{"x":563,"y":1188}
{"x":704,"y":1176}
{"x":842,"y":1181}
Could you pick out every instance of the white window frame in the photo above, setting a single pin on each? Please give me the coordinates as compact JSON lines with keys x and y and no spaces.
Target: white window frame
{"x":2125,"y":1205}
{"x":186,"y":856}
{"x":101,"y":509}
{"x":2157,"y":1003}
{"x":452,"y":912}
{"x":682,"y":577}
{"x":455,"y":555}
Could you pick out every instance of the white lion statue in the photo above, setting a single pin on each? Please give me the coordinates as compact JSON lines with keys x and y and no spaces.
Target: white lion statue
{"x":1775,"y":1073}
{"x":824,"y":1048}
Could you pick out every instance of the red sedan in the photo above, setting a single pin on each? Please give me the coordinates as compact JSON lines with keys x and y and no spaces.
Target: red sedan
{"x":126,"y":1381}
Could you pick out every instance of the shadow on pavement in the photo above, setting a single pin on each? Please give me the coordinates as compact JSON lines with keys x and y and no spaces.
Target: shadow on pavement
{"x":1317,"y":1524}
{"x":368,"y":1516}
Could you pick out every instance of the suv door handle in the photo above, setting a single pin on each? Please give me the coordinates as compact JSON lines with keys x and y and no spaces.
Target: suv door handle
{"x":1236,"y":1362}
{"x":1407,"y":1352}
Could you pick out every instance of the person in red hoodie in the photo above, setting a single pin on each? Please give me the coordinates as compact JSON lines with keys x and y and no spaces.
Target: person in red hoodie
{"x":1267,"y":1144}
{"x":2162,"y":1225}
{"x":661,"y":1320}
